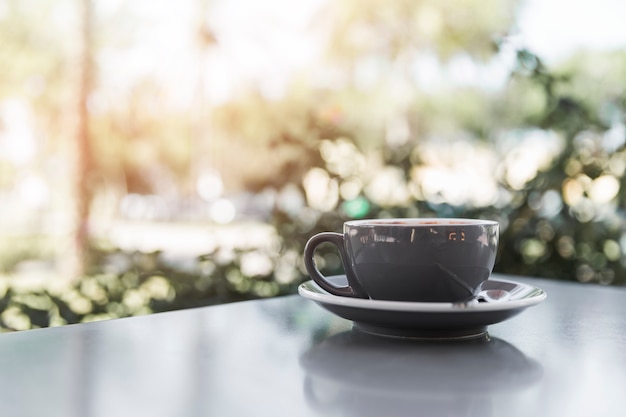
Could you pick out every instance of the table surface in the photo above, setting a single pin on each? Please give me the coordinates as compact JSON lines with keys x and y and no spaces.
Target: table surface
{"x":288,"y":357}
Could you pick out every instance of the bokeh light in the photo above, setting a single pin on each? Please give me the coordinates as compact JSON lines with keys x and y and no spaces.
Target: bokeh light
{"x":217,"y":136}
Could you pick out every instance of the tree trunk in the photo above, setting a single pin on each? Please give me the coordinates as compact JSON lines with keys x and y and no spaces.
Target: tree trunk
{"x":74,"y":262}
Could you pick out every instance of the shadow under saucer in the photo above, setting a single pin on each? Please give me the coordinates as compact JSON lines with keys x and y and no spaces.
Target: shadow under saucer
{"x":360,"y":374}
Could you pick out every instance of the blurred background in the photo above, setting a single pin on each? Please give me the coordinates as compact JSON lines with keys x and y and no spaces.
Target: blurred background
{"x":158,"y":155}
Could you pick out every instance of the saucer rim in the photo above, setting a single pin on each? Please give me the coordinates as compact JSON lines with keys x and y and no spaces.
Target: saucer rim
{"x":310,"y":290}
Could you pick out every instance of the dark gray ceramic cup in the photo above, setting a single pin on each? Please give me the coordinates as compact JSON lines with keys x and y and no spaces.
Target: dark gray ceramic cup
{"x":420,"y":260}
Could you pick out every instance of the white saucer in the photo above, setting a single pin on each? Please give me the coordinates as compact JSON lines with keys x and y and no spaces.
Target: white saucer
{"x":426,"y":320}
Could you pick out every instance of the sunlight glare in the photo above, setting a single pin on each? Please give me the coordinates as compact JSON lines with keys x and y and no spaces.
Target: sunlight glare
{"x":528,"y":152}
{"x":34,"y":191}
{"x":256,"y":263}
{"x":604,"y":189}
{"x":458,"y":174}
{"x":17,"y":138}
{"x":388,"y":187}
{"x":209,"y":186}
{"x":594,"y":25}
{"x":223,"y":211}
{"x":322,"y":192}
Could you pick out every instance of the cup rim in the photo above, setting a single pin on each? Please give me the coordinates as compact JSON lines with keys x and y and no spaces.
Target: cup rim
{"x":421,"y":222}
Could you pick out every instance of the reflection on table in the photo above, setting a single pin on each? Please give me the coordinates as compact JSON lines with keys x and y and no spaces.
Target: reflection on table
{"x":353,"y":373}
{"x":287,"y":356}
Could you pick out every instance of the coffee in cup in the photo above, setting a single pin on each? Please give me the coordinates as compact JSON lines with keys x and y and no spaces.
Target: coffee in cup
{"x":419,"y":260}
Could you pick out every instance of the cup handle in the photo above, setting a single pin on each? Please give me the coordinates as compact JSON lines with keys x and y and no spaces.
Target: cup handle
{"x":353,"y":289}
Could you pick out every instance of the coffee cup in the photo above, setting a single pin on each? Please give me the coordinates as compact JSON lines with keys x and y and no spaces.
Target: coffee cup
{"x":418,"y":260}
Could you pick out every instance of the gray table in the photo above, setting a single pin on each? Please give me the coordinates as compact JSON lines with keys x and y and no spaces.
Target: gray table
{"x":288,"y":357}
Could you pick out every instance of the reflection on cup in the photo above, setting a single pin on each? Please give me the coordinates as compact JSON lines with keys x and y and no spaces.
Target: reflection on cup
{"x":361,"y":375}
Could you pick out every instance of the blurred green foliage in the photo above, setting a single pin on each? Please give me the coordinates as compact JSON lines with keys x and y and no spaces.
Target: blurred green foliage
{"x":329,"y":154}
